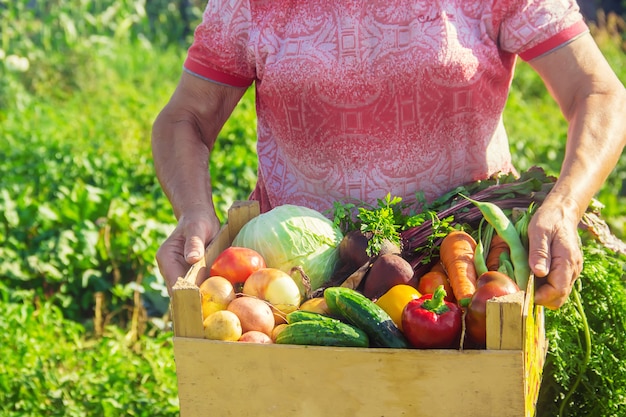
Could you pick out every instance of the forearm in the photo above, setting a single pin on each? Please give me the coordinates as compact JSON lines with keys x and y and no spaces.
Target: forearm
{"x":182,"y":139}
{"x":596,"y":138}
{"x":592,"y":100}
{"x":181,"y":160}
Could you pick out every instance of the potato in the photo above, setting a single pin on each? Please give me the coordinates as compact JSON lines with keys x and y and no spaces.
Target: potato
{"x":222,"y":325}
{"x":217,"y":292}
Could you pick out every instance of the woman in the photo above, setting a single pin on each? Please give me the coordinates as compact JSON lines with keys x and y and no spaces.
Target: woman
{"x":359,"y":99}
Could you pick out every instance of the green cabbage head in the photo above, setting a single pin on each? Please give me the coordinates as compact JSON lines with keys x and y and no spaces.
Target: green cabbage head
{"x":290,"y":236}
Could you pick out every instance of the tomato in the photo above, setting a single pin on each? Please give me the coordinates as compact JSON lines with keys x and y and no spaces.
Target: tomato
{"x":429,"y":282}
{"x":395,"y":299}
{"x":489,"y":285}
{"x":236,"y":264}
{"x":495,"y":276}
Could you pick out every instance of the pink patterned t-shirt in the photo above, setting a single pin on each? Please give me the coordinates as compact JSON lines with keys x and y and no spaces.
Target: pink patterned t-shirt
{"x":357,"y":99}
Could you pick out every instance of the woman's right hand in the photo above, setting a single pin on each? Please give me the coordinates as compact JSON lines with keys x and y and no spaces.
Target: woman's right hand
{"x":186,"y":245}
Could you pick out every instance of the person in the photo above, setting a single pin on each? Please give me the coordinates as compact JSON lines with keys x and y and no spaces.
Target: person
{"x":355,"y":100}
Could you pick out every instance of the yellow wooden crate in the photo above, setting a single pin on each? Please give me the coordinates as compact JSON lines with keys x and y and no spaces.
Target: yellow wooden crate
{"x":244,"y":379}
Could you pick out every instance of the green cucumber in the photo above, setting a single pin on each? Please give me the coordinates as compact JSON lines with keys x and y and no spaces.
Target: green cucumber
{"x":322,"y":333}
{"x":302,"y":315}
{"x":358,"y":310}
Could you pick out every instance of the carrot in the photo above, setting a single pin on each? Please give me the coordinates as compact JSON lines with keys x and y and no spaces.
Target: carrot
{"x":457,"y":256}
{"x":497,"y":246}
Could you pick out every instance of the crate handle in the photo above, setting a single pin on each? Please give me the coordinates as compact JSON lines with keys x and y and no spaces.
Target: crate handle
{"x":186,"y":302}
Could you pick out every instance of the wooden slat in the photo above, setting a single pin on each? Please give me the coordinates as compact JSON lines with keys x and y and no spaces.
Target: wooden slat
{"x":504,"y":322}
{"x":239,"y":214}
{"x":535,"y":349}
{"x":241,"y":379}
{"x":186,"y":307}
{"x":217,"y":245}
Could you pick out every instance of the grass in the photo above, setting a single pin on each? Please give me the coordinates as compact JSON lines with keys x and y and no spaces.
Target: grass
{"x":81,"y":213}
{"x":52,"y":367}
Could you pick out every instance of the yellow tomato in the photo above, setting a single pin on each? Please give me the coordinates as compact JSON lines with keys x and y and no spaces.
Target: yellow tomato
{"x":395,"y":299}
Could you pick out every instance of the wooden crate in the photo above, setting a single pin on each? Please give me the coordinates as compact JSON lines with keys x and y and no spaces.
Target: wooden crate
{"x":243,"y":379}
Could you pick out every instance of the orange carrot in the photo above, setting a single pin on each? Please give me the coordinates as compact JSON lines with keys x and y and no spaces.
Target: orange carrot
{"x":457,"y":256}
{"x":497,"y":247}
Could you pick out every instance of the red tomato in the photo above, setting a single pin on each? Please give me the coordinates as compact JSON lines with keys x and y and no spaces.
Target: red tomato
{"x":490,"y":285}
{"x":495,"y":276}
{"x":236,"y":264}
{"x":429,"y":282}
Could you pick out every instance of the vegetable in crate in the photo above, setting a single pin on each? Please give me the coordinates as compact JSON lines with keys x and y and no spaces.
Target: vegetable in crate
{"x":394,"y":301}
{"x":489,"y":285}
{"x":358,"y":310}
{"x":432,"y":279}
{"x":255,"y":336}
{"x":505,"y":228}
{"x":497,"y":248}
{"x":457,"y":257}
{"x":291,"y":236}
{"x":319,"y":330}
{"x":353,"y":249}
{"x":215,"y":293}
{"x":222,"y":325}
{"x":430,"y":322}
{"x":277,"y":288}
{"x":236,"y":264}
{"x":386,"y":271}
{"x":315,"y":305}
{"x":253,"y":313}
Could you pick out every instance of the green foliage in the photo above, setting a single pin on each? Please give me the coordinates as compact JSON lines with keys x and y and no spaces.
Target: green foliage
{"x":602,"y":389}
{"x":50,"y":367}
{"x":382,"y":223}
{"x":72,"y":225}
{"x":538,"y":131}
{"x":81,"y":212}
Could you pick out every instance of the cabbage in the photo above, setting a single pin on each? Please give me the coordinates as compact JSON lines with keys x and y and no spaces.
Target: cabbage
{"x":290,"y":236}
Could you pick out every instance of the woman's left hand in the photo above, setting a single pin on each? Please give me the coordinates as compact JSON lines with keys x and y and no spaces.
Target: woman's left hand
{"x":555,"y":255}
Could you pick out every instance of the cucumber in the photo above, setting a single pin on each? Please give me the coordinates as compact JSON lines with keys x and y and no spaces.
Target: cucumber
{"x":358,"y":310}
{"x":322,"y":333}
{"x":301,"y":315}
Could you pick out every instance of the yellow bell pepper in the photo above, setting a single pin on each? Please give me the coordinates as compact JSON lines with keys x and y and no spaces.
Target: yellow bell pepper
{"x":395,"y":299}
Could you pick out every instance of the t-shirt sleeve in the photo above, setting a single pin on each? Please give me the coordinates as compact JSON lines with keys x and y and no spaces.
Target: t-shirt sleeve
{"x":531,"y":28}
{"x":220,"y":50}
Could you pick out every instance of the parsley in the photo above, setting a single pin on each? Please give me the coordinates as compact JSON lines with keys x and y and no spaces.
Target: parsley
{"x":379,"y":223}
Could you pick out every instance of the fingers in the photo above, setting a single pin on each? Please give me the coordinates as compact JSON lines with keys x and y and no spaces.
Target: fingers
{"x":194,"y":248}
{"x":171,"y":261}
{"x":554,"y":256}
{"x":184,"y":247}
{"x":553,"y":289}
{"x":539,"y":253}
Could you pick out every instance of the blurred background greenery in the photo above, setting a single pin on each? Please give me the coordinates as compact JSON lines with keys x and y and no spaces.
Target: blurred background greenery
{"x":85,"y":328}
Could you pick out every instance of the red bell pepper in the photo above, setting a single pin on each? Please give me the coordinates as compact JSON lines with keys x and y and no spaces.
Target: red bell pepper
{"x":430,"y":322}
